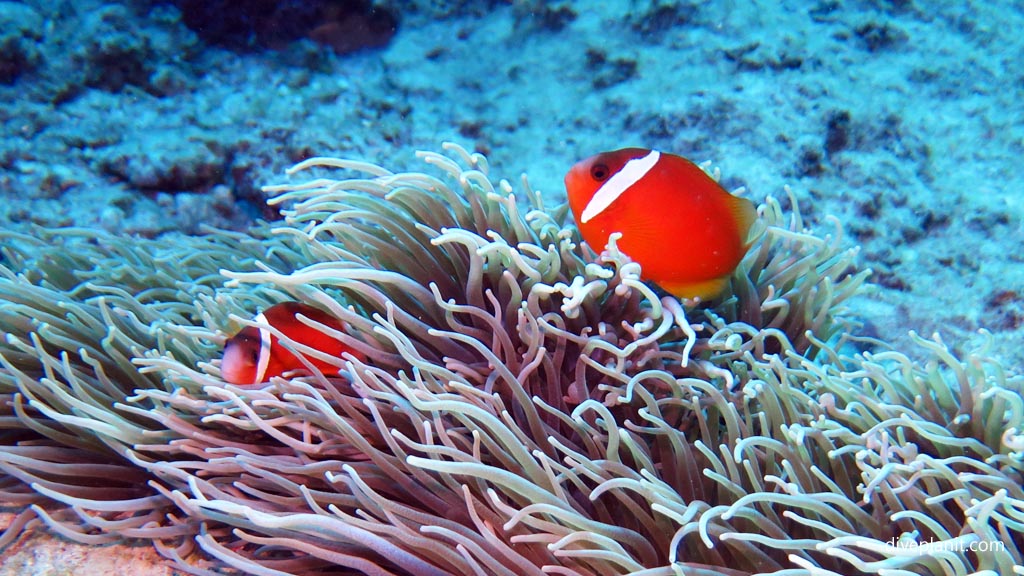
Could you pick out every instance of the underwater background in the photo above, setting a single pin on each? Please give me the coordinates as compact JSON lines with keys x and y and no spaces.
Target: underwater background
{"x":899,"y":122}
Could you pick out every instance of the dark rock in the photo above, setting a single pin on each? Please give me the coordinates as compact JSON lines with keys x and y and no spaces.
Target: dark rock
{"x":837,"y":131}
{"x":20,"y":28}
{"x":609,"y":71}
{"x":662,"y":16}
{"x":810,"y":163}
{"x":877,"y":37}
{"x":343,"y":25}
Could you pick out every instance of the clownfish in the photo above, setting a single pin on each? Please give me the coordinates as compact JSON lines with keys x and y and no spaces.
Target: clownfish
{"x":254,"y":355}
{"x":687,"y":232}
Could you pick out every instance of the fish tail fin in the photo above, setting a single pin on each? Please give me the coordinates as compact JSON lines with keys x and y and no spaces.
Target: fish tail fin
{"x":744,"y":214}
{"x":705,"y":289}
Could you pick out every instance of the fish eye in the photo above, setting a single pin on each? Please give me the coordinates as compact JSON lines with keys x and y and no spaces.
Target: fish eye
{"x":599,"y":172}
{"x":254,"y":356}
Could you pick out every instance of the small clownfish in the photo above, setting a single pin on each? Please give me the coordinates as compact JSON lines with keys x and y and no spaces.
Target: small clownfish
{"x":687,"y":232}
{"x":254,"y":355}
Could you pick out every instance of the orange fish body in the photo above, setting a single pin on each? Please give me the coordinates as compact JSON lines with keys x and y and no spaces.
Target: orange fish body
{"x":687,"y":232}
{"x":255,"y":355}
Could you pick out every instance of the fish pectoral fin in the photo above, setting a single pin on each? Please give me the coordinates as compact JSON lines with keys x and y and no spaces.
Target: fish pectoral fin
{"x":705,"y":290}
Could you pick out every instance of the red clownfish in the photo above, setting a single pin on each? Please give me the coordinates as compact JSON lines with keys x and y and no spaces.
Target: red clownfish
{"x":254,"y":355}
{"x":687,"y":232}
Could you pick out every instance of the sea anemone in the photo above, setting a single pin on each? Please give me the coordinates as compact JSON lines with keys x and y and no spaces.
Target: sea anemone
{"x":520,"y":403}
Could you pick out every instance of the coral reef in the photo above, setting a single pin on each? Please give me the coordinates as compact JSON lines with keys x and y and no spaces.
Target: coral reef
{"x":522,"y":403}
